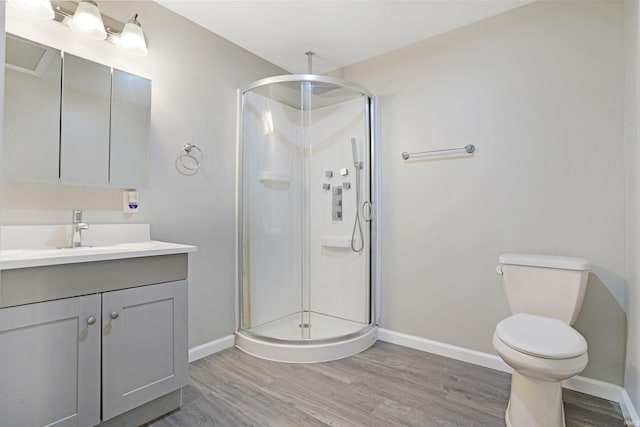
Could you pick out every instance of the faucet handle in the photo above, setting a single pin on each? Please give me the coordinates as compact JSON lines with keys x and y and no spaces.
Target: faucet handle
{"x":76,"y":216}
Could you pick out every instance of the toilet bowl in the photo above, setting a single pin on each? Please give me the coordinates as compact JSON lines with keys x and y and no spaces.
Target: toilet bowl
{"x":543,"y":352}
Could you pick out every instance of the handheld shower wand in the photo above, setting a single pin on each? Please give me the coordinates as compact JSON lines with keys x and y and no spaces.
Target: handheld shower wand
{"x":354,"y":152}
{"x":357,"y":225}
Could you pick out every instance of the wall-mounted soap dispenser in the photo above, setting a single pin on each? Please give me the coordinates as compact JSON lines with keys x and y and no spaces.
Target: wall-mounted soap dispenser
{"x":130,"y":201}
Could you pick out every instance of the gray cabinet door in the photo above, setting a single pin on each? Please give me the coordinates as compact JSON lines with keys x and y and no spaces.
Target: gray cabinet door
{"x":50,"y":363}
{"x":130,"y":118}
{"x":144,"y":345}
{"x":31,"y":144}
{"x":84,"y":132}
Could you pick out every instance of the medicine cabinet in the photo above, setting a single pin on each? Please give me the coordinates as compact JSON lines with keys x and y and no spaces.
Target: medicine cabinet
{"x":73,"y":121}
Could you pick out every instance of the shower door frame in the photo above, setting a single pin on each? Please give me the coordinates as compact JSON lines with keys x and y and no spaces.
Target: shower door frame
{"x":371,"y":112}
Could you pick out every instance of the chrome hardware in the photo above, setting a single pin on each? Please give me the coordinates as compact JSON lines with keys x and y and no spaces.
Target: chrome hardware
{"x":114,"y":315}
{"x":91,"y":320}
{"x":326,"y":186}
{"x":336,"y":204}
{"x":328,"y":174}
{"x":344,"y":171}
{"x":354,"y":152}
{"x":76,"y":228}
{"x":309,"y":61}
{"x":469,"y":148}
{"x":367,"y":211}
{"x":192,"y":165}
{"x":346,"y":185}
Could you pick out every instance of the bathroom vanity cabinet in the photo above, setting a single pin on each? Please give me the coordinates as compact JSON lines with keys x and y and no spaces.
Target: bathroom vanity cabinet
{"x":117,"y":356}
{"x":71,"y":120}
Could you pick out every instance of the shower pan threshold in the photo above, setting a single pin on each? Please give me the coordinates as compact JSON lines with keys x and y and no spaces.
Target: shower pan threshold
{"x":331,"y":338}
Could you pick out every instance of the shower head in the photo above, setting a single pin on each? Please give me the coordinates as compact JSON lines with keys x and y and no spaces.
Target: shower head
{"x":354,"y":152}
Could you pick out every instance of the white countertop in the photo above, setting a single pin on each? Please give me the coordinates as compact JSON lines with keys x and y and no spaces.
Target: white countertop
{"x":37,"y":246}
{"x":25,"y":258}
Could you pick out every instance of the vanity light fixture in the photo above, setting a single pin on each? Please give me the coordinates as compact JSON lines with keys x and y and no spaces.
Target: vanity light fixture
{"x":87,"y":21}
{"x":39,"y":8}
{"x":84,"y":18}
{"x":132,"y":38}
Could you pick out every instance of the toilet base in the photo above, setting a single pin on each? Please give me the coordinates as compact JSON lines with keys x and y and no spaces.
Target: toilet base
{"x":534,"y":403}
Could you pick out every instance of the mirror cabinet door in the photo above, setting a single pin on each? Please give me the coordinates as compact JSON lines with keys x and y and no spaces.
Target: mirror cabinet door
{"x":30,"y":151}
{"x":130,"y":118}
{"x":84,"y":137}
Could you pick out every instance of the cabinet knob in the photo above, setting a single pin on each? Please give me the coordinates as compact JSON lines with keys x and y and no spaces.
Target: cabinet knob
{"x":114,"y":315}
{"x":91,"y":320}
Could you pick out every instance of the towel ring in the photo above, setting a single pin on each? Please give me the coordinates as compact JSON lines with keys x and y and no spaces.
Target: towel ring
{"x":187,"y":152}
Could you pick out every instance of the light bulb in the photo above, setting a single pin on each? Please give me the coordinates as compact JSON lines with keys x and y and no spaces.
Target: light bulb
{"x":132,"y":38}
{"x":88,"y":21}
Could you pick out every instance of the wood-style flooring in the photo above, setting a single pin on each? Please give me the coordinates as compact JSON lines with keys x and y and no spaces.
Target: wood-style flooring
{"x":387,"y":385}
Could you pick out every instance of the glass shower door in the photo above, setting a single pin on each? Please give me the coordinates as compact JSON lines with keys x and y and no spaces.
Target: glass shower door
{"x":339,"y":275}
{"x":272,"y":166}
{"x":301,"y":277}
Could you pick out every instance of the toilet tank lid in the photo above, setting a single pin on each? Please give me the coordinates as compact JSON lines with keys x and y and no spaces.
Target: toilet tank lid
{"x":549,"y":261}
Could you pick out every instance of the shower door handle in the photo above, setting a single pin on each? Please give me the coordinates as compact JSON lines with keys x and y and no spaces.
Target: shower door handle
{"x":367,"y":211}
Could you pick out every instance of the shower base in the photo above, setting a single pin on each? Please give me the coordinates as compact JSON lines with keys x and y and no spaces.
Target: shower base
{"x":310,"y":325}
{"x":313,"y":338}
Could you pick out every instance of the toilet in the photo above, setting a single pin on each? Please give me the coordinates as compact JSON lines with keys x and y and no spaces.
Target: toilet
{"x":545,"y":294}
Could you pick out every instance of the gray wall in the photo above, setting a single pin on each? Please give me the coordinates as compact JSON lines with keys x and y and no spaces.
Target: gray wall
{"x":539,"y":90}
{"x":195,"y":75}
{"x":632,"y":87}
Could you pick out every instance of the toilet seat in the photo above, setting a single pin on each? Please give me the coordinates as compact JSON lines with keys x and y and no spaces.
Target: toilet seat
{"x":540,"y":336}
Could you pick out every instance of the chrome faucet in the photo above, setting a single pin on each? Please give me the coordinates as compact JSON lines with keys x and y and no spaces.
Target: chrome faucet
{"x":76,"y":228}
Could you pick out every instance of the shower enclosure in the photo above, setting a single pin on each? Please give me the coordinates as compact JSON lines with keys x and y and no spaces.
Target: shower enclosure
{"x":306,"y":263}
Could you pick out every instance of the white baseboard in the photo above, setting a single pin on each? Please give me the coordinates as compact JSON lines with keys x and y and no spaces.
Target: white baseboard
{"x":208,"y":348}
{"x":454,"y":352}
{"x":628,"y":410}
{"x":595,"y":388}
{"x":585,"y":385}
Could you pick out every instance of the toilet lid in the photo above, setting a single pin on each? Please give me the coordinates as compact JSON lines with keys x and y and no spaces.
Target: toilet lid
{"x":541,"y":336}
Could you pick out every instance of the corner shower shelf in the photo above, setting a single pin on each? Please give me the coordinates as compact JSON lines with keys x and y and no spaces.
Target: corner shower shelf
{"x":336,"y":242}
{"x":274,"y":179}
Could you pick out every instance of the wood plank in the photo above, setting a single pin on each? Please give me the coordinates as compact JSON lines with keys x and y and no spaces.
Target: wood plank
{"x":386,"y":385}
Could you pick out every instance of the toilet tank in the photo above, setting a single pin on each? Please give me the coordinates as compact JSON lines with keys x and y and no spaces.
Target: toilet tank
{"x":544,"y":285}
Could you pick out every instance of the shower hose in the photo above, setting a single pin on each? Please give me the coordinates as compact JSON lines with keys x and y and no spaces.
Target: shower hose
{"x":357,"y":225}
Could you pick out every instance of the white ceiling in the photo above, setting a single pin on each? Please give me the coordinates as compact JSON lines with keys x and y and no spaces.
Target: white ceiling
{"x":338,"y":32}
